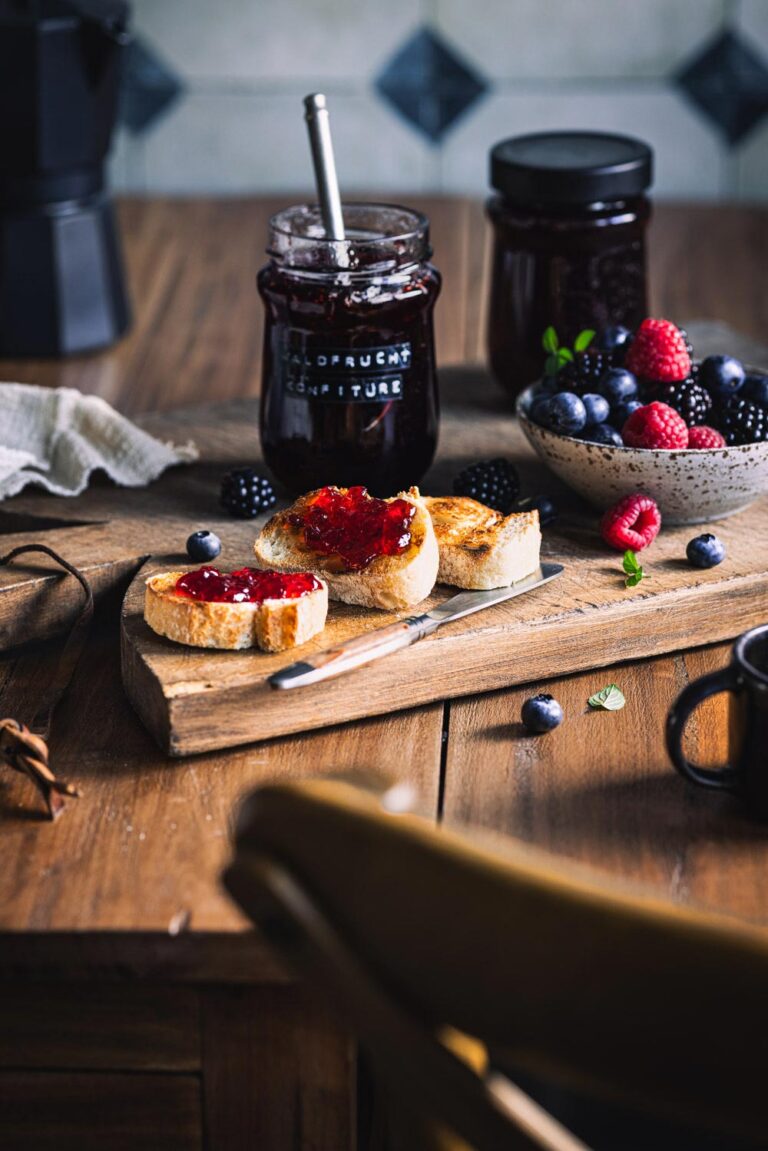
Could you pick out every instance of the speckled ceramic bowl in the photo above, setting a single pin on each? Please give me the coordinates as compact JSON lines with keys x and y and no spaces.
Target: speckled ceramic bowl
{"x":690,"y":487}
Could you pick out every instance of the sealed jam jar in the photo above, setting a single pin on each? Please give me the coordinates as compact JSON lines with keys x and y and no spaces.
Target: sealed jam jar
{"x":569,"y":226}
{"x":349,"y":389}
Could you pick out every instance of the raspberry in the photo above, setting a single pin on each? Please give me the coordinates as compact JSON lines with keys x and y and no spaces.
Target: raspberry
{"x":633,"y":522}
{"x":655,"y":425}
{"x":704,"y":437}
{"x":659,"y":352}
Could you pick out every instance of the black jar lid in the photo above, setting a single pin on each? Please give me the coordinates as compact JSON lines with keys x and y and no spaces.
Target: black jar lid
{"x":571,"y":167}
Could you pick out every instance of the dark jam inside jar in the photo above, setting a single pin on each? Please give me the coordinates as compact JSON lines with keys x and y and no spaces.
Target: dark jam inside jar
{"x":569,"y":243}
{"x":247,"y":585}
{"x":355,"y":526}
{"x":349,"y":387}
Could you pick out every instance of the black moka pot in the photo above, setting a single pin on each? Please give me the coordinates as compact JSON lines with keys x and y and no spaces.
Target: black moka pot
{"x":61,"y":280}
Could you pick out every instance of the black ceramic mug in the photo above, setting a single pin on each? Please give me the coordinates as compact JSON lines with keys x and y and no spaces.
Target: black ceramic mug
{"x":746,"y":677}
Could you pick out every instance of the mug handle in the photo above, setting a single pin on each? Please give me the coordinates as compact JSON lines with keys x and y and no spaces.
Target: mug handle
{"x":689,"y":699}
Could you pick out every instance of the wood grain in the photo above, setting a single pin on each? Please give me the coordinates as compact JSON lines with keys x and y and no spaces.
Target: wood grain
{"x":278,"y":1066}
{"x":60,"y":1111}
{"x":145,"y":844}
{"x":101,"y":1026}
{"x":600,"y":788}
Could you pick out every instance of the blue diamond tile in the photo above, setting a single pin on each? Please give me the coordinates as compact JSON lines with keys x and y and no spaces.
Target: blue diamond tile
{"x":429,"y":84}
{"x":728,"y":82}
{"x":149,"y":87}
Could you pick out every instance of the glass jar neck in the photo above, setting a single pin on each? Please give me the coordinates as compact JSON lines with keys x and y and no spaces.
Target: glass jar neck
{"x":381,"y":239}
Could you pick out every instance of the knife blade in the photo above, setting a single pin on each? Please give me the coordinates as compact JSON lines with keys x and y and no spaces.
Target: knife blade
{"x":386,"y":640}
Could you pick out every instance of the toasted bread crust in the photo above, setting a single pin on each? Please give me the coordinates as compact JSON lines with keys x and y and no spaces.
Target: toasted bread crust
{"x":389,"y":582}
{"x":479,"y":547}
{"x":274,"y":625}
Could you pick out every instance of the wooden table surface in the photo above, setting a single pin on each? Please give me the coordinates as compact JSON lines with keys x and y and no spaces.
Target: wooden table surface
{"x":144,"y":847}
{"x":125,"y":884}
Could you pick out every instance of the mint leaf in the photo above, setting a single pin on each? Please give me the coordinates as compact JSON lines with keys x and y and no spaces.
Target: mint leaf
{"x":551,"y":365}
{"x":549,"y":340}
{"x":629,"y":563}
{"x":565,"y":355}
{"x":609,"y":698}
{"x":583,"y":340}
{"x":632,"y":569}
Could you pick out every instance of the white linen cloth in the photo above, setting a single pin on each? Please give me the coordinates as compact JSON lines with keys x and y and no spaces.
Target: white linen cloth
{"x":56,"y":437}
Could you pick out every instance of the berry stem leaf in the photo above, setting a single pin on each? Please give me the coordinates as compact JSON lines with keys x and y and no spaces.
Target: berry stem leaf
{"x":630,"y":562}
{"x":549,"y":340}
{"x":632,"y":569}
{"x":584,"y":339}
{"x":565,"y":355}
{"x":609,"y":698}
{"x":551,"y":364}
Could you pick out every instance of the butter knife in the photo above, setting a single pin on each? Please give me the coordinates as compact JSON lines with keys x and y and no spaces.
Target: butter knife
{"x":385,"y":640}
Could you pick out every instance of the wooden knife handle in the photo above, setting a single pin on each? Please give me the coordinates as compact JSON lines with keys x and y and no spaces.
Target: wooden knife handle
{"x":354,"y":653}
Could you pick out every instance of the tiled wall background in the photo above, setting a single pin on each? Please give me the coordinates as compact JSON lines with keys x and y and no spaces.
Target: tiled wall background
{"x":419,"y":90}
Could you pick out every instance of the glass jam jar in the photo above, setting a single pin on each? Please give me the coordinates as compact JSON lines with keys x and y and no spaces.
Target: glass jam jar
{"x":349,"y":387}
{"x":569,"y":227}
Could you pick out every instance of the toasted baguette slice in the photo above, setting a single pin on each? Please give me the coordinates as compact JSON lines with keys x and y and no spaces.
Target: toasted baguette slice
{"x":273,"y":625}
{"x":481,"y":548}
{"x":388,"y":582}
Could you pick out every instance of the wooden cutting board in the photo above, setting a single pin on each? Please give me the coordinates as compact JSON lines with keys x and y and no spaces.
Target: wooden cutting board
{"x":196,"y":700}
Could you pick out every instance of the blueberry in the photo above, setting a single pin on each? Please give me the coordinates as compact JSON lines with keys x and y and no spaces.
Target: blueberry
{"x":614,"y":339}
{"x":722,"y":376}
{"x":602,"y":434}
{"x":597,"y":408}
{"x":617,"y":385}
{"x":202,"y":546}
{"x":621,"y":412}
{"x":756,"y":389}
{"x":542,"y":504}
{"x":541,"y":713}
{"x":705,"y":551}
{"x":565,"y":413}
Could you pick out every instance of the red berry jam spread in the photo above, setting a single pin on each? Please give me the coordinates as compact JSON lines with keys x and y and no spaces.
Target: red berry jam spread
{"x":248,"y":585}
{"x":355,"y":526}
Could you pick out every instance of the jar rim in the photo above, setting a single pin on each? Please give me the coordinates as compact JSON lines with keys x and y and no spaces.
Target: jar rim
{"x":381,"y":240}
{"x":420,"y":223}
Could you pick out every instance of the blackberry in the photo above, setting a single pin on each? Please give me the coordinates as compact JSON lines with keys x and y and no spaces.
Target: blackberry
{"x":494,"y":483}
{"x":690,"y":399}
{"x":582,"y":375}
{"x":688,"y":344}
{"x":743,"y":422}
{"x":244,"y":493}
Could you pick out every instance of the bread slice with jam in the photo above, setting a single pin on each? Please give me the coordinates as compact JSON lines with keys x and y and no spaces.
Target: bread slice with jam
{"x":371,"y":552}
{"x":272,"y":613}
{"x":481,"y":548}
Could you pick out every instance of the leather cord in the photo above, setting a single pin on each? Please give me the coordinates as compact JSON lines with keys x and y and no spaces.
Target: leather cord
{"x":23,"y":748}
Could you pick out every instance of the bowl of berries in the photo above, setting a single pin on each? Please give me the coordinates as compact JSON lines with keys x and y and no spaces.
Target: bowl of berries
{"x":636,"y":412}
